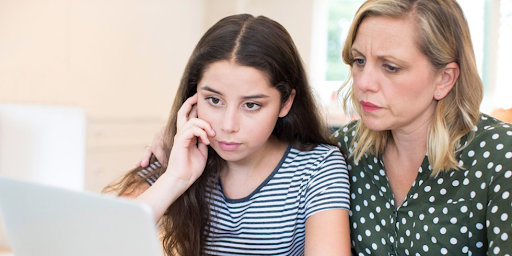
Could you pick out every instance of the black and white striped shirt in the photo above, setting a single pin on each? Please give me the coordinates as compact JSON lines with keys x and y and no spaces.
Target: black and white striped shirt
{"x":271,"y":220}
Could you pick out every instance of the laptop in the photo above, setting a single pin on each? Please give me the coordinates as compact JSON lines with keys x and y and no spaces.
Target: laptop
{"x":42,"y":220}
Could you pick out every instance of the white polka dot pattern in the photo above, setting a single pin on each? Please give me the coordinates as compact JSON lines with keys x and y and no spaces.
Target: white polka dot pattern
{"x":459,"y":212}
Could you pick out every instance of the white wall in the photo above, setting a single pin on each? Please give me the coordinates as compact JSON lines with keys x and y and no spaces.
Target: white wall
{"x":295,"y":15}
{"x":118,"y":60}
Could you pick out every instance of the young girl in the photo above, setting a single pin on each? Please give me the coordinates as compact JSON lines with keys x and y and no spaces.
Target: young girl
{"x":251,"y":167}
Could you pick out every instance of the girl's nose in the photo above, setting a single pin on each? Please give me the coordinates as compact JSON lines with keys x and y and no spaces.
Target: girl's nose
{"x":230,"y":123}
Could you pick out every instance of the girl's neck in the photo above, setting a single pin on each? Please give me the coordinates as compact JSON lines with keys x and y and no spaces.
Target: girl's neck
{"x":239,"y":179}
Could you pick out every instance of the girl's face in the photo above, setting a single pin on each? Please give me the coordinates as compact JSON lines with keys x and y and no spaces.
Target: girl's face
{"x":394,"y":83}
{"x":242,"y":108}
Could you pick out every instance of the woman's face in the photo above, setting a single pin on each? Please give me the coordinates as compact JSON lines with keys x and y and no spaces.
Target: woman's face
{"x":241,"y":107}
{"x":394,"y":83}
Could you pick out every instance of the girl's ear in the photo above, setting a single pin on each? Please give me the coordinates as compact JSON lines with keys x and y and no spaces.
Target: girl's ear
{"x":287,"y":105}
{"x":449,"y":76}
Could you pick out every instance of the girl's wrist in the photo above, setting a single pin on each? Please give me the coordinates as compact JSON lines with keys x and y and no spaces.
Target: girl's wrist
{"x":175,"y":182}
{"x":163,"y":193}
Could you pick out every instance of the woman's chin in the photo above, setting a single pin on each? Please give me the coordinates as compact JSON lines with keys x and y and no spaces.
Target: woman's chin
{"x":374,"y":124}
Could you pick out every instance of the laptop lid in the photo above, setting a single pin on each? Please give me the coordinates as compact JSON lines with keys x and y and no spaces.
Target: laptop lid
{"x":42,"y":220}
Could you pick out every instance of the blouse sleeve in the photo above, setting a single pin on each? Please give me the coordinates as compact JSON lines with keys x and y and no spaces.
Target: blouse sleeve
{"x":329,"y":186}
{"x":499,"y":223}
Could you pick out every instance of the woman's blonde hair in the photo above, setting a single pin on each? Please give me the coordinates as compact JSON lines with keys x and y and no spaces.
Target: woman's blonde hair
{"x":443,"y":38}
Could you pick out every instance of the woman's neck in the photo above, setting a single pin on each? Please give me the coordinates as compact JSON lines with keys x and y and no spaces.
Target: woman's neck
{"x":403,"y":155}
{"x":410,"y":140}
{"x":407,"y":145}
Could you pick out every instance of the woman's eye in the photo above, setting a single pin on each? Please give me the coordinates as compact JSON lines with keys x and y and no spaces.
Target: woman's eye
{"x":392,"y":69}
{"x":359,"y":62}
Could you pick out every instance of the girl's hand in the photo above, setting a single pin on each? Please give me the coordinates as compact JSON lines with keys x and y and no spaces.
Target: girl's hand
{"x":190,"y":151}
{"x":186,"y":162}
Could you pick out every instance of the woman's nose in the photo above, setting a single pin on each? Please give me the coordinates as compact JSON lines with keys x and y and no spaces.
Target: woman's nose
{"x":365,"y":79}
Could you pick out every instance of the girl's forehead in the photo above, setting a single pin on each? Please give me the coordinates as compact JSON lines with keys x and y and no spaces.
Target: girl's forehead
{"x":227,"y":77}
{"x":231,"y":66}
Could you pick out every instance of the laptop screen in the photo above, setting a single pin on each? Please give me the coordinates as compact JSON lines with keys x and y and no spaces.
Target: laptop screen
{"x":48,"y":221}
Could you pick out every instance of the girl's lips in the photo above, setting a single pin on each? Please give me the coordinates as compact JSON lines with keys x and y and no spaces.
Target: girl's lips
{"x":369,"y":107}
{"x":228,"y":146}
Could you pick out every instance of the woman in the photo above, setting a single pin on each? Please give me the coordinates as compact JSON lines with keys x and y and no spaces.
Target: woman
{"x":430,"y":174}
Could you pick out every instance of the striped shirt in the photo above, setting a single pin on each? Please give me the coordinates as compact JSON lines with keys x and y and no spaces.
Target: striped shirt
{"x":271,"y":220}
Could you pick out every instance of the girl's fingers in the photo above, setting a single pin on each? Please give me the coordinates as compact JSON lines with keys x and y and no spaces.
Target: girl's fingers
{"x":193,"y":112}
{"x":192,"y":134}
{"x":203,"y":148}
{"x":183,"y":113}
{"x":201,"y":133}
{"x":199,"y":123}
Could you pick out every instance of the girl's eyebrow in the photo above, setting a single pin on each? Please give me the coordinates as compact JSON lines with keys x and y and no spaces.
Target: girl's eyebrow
{"x":256,"y":96}
{"x":206,"y":88}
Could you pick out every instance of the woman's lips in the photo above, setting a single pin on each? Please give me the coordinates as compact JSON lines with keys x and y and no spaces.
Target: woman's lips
{"x":369,"y":107}
{"x":228,"y":146}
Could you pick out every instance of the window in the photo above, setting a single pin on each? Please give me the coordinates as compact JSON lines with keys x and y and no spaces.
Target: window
{"x":503,"y":88}
{"x":331,"y":22}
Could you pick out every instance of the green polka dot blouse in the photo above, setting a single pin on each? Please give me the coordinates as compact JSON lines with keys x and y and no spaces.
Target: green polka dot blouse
{"x":460,"y":212}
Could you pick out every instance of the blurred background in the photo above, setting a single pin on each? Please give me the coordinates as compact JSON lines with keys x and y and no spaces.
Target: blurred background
{"x":85,"y":84}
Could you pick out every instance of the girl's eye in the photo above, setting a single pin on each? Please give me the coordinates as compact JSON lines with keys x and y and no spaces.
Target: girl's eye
{"x":214,"y":101}
{"x":252,"y":106}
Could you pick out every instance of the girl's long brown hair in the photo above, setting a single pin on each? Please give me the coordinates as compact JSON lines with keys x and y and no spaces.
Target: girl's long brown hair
{"x":257,"y":42}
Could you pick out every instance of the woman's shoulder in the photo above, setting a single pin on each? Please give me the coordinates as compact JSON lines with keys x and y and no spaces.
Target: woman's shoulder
{"x":490,"y":128}
{"x":345,"y":134}
{"x":489,"y":121}
{"x":487,"y":158}
{"x":491,"y":142}
{"x":346,"y":130}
